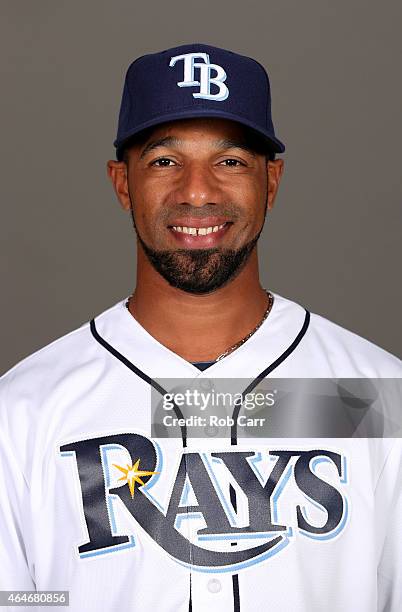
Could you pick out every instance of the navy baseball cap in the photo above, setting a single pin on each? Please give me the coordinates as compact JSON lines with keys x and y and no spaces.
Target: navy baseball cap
{"x":195,"y":80}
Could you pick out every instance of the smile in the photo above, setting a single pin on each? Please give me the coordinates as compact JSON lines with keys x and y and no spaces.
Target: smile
{"x":197,"y":237}
{"x":198,"y":231}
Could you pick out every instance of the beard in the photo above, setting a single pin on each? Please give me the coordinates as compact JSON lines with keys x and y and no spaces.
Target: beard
{"x":199,"y":271}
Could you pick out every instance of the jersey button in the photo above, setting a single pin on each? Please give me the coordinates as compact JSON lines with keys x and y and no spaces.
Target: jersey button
{"x":211,"y":431}
{"x":214,"y":585}
{"x":205,"y":384}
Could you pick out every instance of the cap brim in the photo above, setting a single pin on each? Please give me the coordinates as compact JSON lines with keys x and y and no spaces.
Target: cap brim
{"x":276,"y":146}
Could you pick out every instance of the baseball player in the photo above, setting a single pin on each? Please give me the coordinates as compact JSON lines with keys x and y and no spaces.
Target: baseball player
{"x":97,"y":501}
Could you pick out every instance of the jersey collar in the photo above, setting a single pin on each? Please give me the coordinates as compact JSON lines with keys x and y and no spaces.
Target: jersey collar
{"x":275,"y":338}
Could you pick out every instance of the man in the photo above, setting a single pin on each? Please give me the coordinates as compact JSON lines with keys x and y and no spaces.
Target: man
{"x":93,"y":501}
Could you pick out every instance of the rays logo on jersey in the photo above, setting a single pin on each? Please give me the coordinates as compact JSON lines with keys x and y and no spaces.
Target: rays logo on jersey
{"x":205,"y":68}
{"x":213,"y":511}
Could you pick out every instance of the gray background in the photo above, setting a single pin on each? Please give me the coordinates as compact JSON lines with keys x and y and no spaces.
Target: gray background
{"x":332,"y":242}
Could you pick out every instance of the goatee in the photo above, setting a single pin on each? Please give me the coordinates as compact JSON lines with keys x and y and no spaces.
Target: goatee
{"x":199,"y":271}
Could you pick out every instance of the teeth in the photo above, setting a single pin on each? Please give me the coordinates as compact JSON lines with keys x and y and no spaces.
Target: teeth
{"x":198,"y":231}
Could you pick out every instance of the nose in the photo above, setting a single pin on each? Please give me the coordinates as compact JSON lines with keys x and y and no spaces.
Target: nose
{"x":197,"y":185}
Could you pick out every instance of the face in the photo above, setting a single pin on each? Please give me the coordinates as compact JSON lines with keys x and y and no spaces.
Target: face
{"x":198,"y":196}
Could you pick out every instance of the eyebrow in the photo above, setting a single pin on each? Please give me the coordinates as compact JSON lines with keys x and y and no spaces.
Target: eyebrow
{"x":161,"y":142}
{"x":224,"y":143}
{"x":231,"y":143}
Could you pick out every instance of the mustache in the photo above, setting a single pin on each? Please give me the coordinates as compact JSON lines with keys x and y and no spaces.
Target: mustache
{"x":229,"y":212}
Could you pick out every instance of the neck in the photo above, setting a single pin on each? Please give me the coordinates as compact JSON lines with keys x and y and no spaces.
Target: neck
{"x":198,"y":327}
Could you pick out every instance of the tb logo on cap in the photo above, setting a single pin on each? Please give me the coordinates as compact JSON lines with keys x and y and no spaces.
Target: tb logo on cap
{"x":205,"y":76}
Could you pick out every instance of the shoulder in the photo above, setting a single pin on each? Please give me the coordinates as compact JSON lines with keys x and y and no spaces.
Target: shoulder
{"x":343,"y":351}
{"x":359,"y":352}
{"x":71,"y":354}
{"x":51,"y":388}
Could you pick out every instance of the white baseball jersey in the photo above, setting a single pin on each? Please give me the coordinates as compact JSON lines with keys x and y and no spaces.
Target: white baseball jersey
{"x":92,"y":503}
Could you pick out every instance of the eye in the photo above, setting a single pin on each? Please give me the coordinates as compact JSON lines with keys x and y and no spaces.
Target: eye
{"x":162,"y":162}
{"x":232,"y":163}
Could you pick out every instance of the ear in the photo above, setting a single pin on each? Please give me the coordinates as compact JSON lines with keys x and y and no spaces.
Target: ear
{"x":275,"y":170}
{"x":117,"y":172}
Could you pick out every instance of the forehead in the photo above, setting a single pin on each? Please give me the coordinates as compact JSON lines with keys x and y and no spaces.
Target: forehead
{"x":206,"y":132}
{"x":207,"y":128}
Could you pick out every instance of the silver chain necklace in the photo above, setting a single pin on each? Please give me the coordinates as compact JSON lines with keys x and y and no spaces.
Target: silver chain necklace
{"x":243,"y":340}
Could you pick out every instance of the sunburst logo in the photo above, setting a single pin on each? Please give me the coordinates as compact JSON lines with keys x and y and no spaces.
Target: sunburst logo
{"x":132,"y":475}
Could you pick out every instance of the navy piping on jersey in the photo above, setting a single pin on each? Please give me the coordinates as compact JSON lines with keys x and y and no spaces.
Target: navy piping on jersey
{"x":267,"y":371}
{"x":254,"y":383}
{"x":139,"y":373}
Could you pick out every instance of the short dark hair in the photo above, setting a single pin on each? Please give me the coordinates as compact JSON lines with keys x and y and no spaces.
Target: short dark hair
{"x":255,"y":141}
